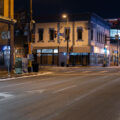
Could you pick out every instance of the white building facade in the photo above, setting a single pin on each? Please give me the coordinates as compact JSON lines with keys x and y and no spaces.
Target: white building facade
{"x":86,"y":46}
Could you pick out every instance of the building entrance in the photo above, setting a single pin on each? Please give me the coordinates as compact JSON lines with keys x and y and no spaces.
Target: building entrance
{"x":48,"y":56}
{"x":79,"y":59}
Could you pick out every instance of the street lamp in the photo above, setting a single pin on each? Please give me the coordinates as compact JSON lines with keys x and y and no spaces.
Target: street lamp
{"x":65,"y":16}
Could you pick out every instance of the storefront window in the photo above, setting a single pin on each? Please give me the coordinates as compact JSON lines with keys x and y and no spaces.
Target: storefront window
{"x":5,"y":56}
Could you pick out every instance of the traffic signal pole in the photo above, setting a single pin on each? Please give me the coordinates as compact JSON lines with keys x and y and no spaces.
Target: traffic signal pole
{"x":9,"y":39}
{"x":30,"y":39}
{"x":67,"y":45}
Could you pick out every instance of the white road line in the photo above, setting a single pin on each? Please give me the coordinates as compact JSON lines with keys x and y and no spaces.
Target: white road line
{"x":81,"y":97}
{"x":23,"y":83}
{"x":73,"y":86}
{"x":103,"y":71}
{"x":13,"y":78}
{"x":93,"y":91}
{"x":5,"y":96}
{"x":36,"y":91}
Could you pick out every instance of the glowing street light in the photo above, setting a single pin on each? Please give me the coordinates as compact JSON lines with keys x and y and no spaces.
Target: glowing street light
{"x":65,"y":16}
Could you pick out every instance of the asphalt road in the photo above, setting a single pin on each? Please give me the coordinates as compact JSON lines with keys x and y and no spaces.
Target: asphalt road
{"x":68,"y":94}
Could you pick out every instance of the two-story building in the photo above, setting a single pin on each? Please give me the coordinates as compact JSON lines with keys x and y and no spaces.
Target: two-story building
{"x":86,"y":35}
{"x":114,"y":41}
{"x":6,"y":33}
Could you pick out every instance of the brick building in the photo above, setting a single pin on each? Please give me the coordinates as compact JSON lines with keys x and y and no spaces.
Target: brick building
{"x":86,"y":33}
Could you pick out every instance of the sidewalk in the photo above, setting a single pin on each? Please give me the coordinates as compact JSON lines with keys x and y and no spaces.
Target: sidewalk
{"x":51,"y":69}
{"x":5,"y":75}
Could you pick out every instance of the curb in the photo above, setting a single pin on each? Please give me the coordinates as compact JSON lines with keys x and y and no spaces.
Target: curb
{"x":24,"y":76}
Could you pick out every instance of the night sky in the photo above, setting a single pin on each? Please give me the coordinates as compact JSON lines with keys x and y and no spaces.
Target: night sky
{"x":104,"y":8}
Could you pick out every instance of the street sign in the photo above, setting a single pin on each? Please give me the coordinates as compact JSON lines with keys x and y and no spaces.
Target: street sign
{"x":61,"y":34}
{"x":4,"y":35}
{"x":30,"y":57}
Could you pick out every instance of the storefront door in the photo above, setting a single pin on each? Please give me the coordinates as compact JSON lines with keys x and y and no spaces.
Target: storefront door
{"x":1,"y":58}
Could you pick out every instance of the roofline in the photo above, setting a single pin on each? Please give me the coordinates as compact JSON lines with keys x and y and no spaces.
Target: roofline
{"x":2,"y":18}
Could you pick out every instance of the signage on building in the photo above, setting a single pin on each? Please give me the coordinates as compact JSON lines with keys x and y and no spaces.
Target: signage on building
{"x":5,"y":35}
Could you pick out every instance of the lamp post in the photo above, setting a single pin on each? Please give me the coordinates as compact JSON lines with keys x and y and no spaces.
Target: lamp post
{"x":65,"y":16}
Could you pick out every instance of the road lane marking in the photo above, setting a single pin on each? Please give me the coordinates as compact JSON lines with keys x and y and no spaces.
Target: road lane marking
{"x":93,"y":91}
{"x":103,"y":71}
{"x":36,"y":91}
{"x":23,"y":83}
{"x":66,"y":107}
{"x":5,"y":96}
{"x":82,"y":83}
{"x":14,"y":78}
{"x":63,"y":89}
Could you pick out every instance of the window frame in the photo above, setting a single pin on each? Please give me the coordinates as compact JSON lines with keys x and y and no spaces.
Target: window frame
{"x":65,"y":33}
{"x":80,"y":38}
{"x":51,"y":29}
{"x":42,"y":35}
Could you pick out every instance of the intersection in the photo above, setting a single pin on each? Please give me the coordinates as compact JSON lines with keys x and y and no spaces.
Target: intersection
{"x":65,"y":94}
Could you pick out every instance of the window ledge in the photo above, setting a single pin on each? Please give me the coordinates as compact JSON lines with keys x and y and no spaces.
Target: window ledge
{"x":51,"y":41}
{"x":66,"y":40}
{"x":79,"y":40}
{"x":40,"y":41}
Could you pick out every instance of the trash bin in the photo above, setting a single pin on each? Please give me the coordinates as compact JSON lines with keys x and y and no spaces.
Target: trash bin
{"x":62,"y":64}
{"x":35,"y":67}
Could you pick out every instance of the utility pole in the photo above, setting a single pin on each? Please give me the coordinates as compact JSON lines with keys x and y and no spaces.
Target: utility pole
{"x":30,"y":38}
{"x":68,"y":56}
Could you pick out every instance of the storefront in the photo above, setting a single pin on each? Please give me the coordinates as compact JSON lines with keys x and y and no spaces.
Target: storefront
{"x":4,"y":55}
{"x":79,"y":59}
{"x":47,"y":56}
{"x":6,"y":43}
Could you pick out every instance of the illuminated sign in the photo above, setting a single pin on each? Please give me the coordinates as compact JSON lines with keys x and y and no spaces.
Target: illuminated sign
{"x":5,"y":35}
{"x":6,"y":48}
{"x":114,"y":32}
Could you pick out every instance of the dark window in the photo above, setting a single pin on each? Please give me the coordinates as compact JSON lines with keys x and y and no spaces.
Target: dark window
{"x":79,"y":33}
{"x":51,"y":34}
{"x":97,"y":36}
{"x":67,"y":33}
{"x":2,"y":7}
{"x":92,"y":34}
{"x":40,"y":31}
